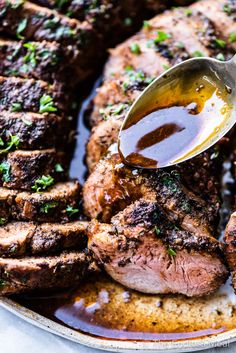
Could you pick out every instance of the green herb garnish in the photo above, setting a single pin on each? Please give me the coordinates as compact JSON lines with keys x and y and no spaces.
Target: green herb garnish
{"x":146,"y":25}
{"x":2,"y":221}
{"x":58,"y":168}
{"x":161,"y":37}
{"x":220,"y":43}
{"x":20,"y":29}
{"x":48,"y":206}
{"x":220,"y":57}
{"x":232,"y":37}
{"x":12,"y":143}
{"x":157,"y":230}
{"x":71,"y":211}
{"x":16,"y":107}
{"x":46,"y":104}
{"x":135,"y":48}
{"x":188,"y":12}
{"x":30,"y":57}
{"x":5,"y":171}
{"x":171,"y":251}
{"x":43,"y":183}
{"x":197,"y":54}
{"x":2,"y":283}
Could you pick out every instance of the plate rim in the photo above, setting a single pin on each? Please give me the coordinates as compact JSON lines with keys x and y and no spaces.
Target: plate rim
{"x":58,"y":329}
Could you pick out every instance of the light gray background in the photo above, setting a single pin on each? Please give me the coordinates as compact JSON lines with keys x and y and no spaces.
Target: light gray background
{"x":17,"y":336}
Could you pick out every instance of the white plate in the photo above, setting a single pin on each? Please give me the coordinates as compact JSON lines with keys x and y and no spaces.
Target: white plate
{"x":221,"y":339}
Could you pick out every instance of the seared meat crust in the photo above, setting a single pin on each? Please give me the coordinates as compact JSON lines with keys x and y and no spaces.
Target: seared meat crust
{"x":48,"y":206}
{"x":35,"y":273}
{"x":25,"y":167}
{"x":143,"y":251}
{"x":22,"y":238}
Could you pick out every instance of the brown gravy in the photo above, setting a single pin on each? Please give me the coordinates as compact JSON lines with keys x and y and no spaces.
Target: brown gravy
{"x":179,"y":120}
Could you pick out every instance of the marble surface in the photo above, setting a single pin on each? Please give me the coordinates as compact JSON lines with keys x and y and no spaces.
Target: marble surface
{"x":17,"y":336}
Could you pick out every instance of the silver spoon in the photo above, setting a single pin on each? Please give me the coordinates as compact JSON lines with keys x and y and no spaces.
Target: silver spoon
{"x":224,"y":76}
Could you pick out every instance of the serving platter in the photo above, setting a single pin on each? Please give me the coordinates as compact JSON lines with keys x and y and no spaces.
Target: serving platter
{"x":104,"y":315}
{"x":169,"y":342}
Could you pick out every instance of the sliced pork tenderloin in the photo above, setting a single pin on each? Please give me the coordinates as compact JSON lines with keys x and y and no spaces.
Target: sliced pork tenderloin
{"x":43,"y":273}
{"x":22,"y":238}
{"x":143,"y":251}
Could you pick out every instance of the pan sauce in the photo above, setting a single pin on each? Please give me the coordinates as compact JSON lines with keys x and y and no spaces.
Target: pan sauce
{"x":180,"y":119}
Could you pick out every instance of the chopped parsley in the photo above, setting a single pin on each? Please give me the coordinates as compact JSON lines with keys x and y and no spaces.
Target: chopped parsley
{"x":197,"y":54}
{"x":21,"y":27}
{"x":161,"y":37}
{"x":5,"y":171}
{"x":157,"y":230}
{"x":16,"y":107}
{"x":43,"y":183}
{"x":112,"y":110}
{"x":46,"y":104}
{"x":71,"y":211}
{"x":136,"y":77}
{"x":135,"y":48}
{"x":2,"y":221}
{"x":58,"y":168}
{"x":30,"y":57}
{"x":220,"y":43}
{"x":220,"y":57}
{"x":232,"y":37}
{"x":188,"y":12}
{"x":166,"y":67}
{"x":146,"y":25}
{"x":171,"y":251}
{"x":227,"y":9}
{"x":48,"y":206}
{"x":12,"y":143}
{"x":2,"y":283}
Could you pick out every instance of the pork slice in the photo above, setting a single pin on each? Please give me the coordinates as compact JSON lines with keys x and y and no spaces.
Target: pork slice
{"x":22,"y":238}
{"x":43,"y":273}
{"x":25,"y":167}
{"x":33,"y":129}
{"x":136,"y":251}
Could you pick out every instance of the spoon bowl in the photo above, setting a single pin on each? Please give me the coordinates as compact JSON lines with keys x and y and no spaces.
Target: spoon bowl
{"x":204,"y":130}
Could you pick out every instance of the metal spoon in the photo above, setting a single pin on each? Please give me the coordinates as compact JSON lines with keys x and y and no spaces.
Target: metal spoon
{"x":225,"y":73}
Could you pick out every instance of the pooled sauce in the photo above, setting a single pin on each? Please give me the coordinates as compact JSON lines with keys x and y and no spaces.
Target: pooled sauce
{"x":179,"y":119}
{"x":102,"y":308}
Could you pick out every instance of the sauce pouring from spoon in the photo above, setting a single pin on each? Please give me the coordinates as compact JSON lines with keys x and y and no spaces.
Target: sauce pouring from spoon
{"x":182,"y":113}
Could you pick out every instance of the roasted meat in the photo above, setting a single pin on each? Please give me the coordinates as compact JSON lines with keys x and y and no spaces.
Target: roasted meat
{"x":45,"y":272}
{"x":167,"y":39}
{"x":187,"y":196}
{"x":22,"y":238}
{"x":144,"y":251}
{"x":51,"y":205}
